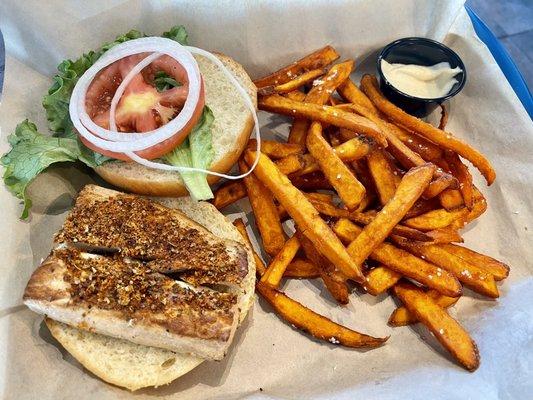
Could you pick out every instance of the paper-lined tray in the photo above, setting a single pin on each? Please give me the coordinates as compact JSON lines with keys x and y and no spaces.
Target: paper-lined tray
{"x":269,"y":358}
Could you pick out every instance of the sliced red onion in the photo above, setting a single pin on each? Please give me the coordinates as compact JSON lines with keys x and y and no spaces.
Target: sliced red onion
{"x":129,"y":142}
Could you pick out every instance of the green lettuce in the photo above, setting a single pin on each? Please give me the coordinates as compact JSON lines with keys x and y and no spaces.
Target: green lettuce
{"x":32,"y":152}
{"x":197,"y":152}
{"x":163,"y":81}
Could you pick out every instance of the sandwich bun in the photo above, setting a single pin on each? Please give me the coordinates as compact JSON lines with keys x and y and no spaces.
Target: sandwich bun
{"x":133,"y":366}
{"x":231,"y":129}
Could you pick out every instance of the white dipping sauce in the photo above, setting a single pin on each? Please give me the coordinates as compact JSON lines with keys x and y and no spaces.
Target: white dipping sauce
{"x":426,"y":82}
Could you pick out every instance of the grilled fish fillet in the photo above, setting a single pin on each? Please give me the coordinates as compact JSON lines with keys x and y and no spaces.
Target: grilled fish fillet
{"x":122,"y":291}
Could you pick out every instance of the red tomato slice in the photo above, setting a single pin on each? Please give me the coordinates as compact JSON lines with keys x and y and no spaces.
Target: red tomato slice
{"x":142,"y":108}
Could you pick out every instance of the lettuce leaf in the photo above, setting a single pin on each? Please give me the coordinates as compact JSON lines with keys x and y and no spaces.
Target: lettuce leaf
{"x":196,"y":151}
{"x":31,"y":152}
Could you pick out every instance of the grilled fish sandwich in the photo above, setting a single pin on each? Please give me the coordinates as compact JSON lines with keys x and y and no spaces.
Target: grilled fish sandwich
{"x":142,"y":273}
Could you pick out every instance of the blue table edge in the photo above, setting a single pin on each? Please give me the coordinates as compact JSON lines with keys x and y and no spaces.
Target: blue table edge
{"x":502,"y":57}
{"x":504,"y":61}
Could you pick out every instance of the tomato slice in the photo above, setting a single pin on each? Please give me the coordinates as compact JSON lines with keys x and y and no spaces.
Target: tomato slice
{"x":141,"y":108}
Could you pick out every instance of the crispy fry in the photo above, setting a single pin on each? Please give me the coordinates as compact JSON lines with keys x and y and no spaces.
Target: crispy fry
{"x":295,"y":163}
{"x":325,"y":114}
{"x":349,"y":189}
{"x":384,"y":178}
{"x":313,"y":181}
{"x":403,"y":262}
{"x":305,"y":216}
{"x":322,"y":197}
{"x":436,"y":219}
{"x":259,"y":264}
{"x":409,"y":190}
{"x":265,"y":212}
{"x":275,"y":149}
{"x":451,"y":199}
{"x":443,"y":235}
{"x":315,"y":324}
{"x":296,"y":95}
{"x":380,"y":279}
{"x":438,"y":185}
{"x":293,"y":84}
{"x":405,"y":156}
{"x":352,"y":94}
{"x":229,"y":193}
{"x":422,"y":206}
{"x":402,"y":316}
{"x":335,"y":282}
{"x":427,"y":150}
{"x":353,"y":149}
{"x":443,"y":117}
{"x":280,"y":262}
{"x":469,"y":274}
{"x":329,"y":209}
{"x":319,"y":95}
{"x":445,"y":139}
{"x":317,"y":59}
{"x":461,"y":172}
{"x":447,"y":331}
{"x":301,"y":269}
{"x":498,"y":269}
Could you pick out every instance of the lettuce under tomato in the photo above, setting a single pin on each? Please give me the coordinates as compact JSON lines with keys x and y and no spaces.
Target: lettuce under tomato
{"x":197,"y":152}
{"x":32,"y":152}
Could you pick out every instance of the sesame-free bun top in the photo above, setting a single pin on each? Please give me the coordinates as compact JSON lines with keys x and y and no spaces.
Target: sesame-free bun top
{"x":232,"y":127}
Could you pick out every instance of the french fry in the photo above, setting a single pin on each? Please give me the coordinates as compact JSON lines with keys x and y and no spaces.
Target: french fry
{"x":320,"y":94}
{"x":461,"y":172}
{"x":436,"y":219}
{"x":313,"y":181}
{"x":293,"y":84}
{"x":322,"y":197}
{"x":469,"y":274}
{"x":265,"y":211}
{"x":380,"y":279}
{"x":280,"y":262}
{"x":443,"y":235}
{"x":329,"y":209}
{"x":317,"y":59}
{"x":402,"y":316}
{"x":305,"y":215}
{"x":496,"y":268}
{"x":404,"y":262}
{"x":447,"y":331}
{"x":296,"y":95}
{"x":445,"y":139}
{"x":384,"y":178}
{"x":315,"y":324}
{"x":422,"y":206}
{"x":405,"y":156}
{"x":275,"y":149}
{"x":301,"y":269}
{"x":409,"y":190}
{"x":427,"y":150}
{"x":229,"y":193}
{"x":325,"y":114}
{"x":335,"y":282}
{"x":259,"y":264}
{"x":352,"y":94}
{"x":353,"y":149}
{"x":443,"y":117}
{"x":451,"y":199}
{"x":349,"y":189}
{"x":295,"y":163}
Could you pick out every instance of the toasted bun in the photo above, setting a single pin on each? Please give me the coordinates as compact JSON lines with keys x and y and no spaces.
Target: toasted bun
{"x":231,"y":130}
{"x":134,"y":366}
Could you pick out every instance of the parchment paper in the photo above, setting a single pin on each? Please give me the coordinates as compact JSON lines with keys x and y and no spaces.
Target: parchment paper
{"x":270,"y":359}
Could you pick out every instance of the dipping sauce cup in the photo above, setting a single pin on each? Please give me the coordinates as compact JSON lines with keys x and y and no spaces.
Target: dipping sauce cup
{"x":418,"y":51}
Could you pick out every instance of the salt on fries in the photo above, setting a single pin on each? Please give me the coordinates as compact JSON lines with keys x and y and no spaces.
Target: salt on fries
{"x":378,"y":198}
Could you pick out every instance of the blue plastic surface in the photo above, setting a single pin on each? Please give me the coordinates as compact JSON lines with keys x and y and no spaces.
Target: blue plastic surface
{"x":504,"y":60}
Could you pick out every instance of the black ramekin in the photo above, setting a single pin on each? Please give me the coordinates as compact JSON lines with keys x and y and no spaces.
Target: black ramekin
{"x":418,"y":51}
